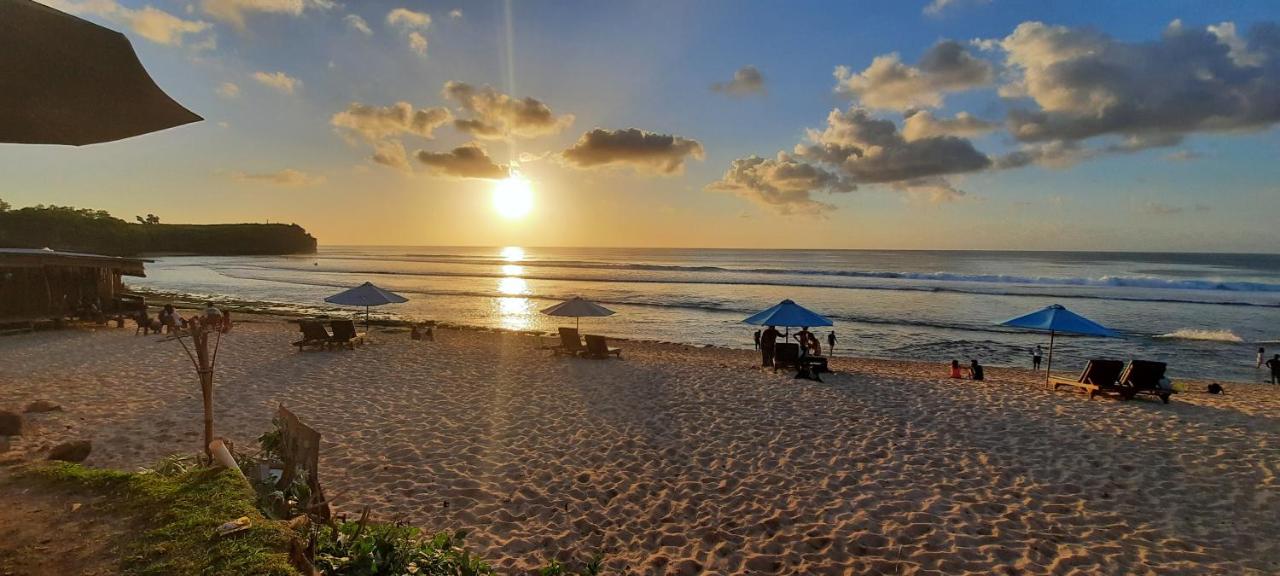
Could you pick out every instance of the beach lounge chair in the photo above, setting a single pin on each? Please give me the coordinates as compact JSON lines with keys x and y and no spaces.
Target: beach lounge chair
{"x":570,"y":343}
{"x":1143,"y":377}
{"x":786,"y":354}
{"x":344,"y":334}
{"x":313,"y":334}
{"x":598,"y":347}
{"x":1099,"y":376}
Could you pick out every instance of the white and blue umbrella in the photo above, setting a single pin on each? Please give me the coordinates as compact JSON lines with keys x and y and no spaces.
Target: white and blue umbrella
{"x":366,"y":295}
{"x":1054,"y":319}
{"x":788,"y":314}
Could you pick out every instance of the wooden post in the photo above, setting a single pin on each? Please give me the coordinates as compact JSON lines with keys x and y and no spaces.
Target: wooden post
{"x":203,"y":360}
{"x":1048,"y":369}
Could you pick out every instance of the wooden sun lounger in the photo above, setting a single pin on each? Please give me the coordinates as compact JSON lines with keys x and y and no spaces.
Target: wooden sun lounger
{"x":570,"y":343}
{"x":344,"y":334}
{"x":1099,"y":376}
{"x":598,"y":347}
{"x":313,"y":334}
{"x":1143,"y":377}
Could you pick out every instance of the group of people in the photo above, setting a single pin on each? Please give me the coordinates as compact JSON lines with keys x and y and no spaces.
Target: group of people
{"x":168,"y":320}
{"x":767,"y":341}
{"x":975,"y":370}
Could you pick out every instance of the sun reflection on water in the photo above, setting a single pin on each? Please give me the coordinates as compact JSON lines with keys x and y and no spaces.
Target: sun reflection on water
{"x":513,"y":309}
{"x":513,"y":253}
{"x":512,"y":270}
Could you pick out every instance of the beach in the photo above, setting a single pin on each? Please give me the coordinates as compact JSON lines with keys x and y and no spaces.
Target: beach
{"x":690,"y":460}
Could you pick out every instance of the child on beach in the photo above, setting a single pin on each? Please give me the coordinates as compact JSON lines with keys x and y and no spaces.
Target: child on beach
{"x":955,"y":370}
{"x":1035,"y":358}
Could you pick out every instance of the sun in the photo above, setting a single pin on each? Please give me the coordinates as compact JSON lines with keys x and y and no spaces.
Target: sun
{"x":513,"y":197}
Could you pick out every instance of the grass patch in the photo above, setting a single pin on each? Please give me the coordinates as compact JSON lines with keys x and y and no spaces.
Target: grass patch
{"x":176,"y":516}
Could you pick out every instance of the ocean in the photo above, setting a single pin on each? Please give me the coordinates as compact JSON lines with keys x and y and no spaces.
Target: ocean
{"x":1203,"y":314}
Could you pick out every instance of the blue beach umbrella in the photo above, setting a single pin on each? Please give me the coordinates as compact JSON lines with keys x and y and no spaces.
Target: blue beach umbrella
{"x":1054,"y":319}
{"x":366,"y":295}
{"x":788,"y":314}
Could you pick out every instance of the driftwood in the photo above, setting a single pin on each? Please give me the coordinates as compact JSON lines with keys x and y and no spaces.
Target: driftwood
{"x":300,"y":448}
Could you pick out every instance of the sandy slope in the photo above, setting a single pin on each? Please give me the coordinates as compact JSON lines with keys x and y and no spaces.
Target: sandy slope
{"x":682,"y":460}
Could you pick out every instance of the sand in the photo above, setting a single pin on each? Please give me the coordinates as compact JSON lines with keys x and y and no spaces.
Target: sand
{"x":686,"y":461}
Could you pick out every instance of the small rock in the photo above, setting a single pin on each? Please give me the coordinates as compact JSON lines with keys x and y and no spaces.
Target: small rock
{"x":75,"y":451}
{"x":40,"y":406}
{"x":11,"y":423}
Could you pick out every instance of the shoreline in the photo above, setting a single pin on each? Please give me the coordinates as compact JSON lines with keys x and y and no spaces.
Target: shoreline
{"x":292,"y":313}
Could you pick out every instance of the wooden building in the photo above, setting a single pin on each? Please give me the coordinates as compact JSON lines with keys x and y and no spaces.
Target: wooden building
{"x":44,"y":284}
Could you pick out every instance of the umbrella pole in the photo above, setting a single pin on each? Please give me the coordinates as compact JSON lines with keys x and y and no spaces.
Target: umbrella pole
{"x":366,"y":319}
{"x":1049,"y":367}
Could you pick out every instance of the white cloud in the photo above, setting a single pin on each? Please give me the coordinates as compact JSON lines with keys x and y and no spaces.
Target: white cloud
{"x":375,"y":123}
{"x":418,"y":43}
{"x":278,"y":81}
{"x":405,"y":18}
{"x":937,"y":7}
{"x":287,"y":177}
{"x":358,"y":24}
{"x":746,"y":81}
{"x":456,"y":13}
{"x":229,"y":90}
{"x":889,"y":84}
{"x":233,"y":11}
{"x":150,"y":23}
{"x":495,"y":115}
{"x":924,"y":124}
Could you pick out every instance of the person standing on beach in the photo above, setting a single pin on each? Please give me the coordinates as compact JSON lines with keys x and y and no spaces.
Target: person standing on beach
{"x":1274,"y":365}
{"x":831,"y":343}
{"x":1262,"y":356}
{"x":767,"y":341}
{"x":1035,"y":358}
{"x":758,"y":341}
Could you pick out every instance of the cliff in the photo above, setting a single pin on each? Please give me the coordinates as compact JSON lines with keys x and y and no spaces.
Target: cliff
{"x":96,"y":231}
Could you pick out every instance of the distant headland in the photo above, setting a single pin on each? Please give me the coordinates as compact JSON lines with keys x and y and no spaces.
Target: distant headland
{"x":86,"y":230}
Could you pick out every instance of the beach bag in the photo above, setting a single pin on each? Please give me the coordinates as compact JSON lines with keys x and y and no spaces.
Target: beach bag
{"x":1216,"y":388}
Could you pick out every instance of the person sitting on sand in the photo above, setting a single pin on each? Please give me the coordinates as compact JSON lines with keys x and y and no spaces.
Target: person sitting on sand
{"x":169,"y":318}
{"x":768,"y":339}
{"x":975,"y":370}
{"x":955,"y":370}
{"x":1274,"y":365}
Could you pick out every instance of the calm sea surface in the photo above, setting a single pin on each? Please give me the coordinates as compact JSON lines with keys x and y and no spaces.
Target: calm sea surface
{"x":1204,"y":314}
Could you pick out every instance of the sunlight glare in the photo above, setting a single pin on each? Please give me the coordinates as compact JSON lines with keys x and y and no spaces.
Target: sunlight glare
{"x":513,"y":253}
{"x":513,"y":197}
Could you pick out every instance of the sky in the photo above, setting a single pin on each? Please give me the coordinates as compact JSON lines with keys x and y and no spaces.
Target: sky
{"x":937,"y":124}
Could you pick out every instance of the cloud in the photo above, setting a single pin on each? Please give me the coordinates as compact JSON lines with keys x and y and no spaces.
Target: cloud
{"x":405,"y":18}
{"x":937,"y":7}
{"x":229,"y":90}
{"x":418,"y":43}
{"x":931,"y":191}
{"x":466,"y":161}
{"x":924,"y":124}
{"x":889,"y":84}
{"x":746,"y":81}
{"x":376,"y":123}
{"x":869,"y":151}
{"x":1156,"y":208}
{"x":854,"y":149}
{"x":494,"y":115}
{"x":784,"y":184}
{"x":278,"y":81}
{"x":233,"y":11}
{"x":456,"y":13}
{"x":640,"y":150}
{"x":1183,"y":156}
{"x":1085,"y":84}
{"x":288,"y":177}
{"x":358,"y":24}
{"x":150,"y":23}
{"x":1057,"y":154}
{"x":391,"y":153}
